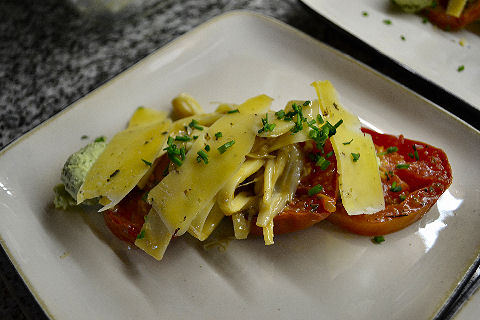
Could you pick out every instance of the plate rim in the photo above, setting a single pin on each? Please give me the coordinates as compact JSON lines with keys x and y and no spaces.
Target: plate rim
{"x":9,"y":147}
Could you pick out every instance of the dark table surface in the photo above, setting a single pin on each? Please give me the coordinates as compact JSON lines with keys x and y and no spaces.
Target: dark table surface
{"x":51,"y":54}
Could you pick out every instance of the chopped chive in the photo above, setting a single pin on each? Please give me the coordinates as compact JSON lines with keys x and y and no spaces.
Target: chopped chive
{"x":207,"y":147}
{"x":183,"y":138}
{"x":338,"y":123}
{"x":100,"y":139}
{"x":410,"y":155}
{"x":141,"y":235}
{"x":378,"y":239}
{"x":415,"y":153}
{"x":175,"y":159}
{"x":218,"y":135}
{"x":195,"y":137}
{"x":329,"y":154}
{"x":319,"y":119}
{"x":345,"y":143}
{"x":402,"y":197}
{"x":387,"y":21}
{"x":233,"y":111}
{"x":315,"y":190}
{"x":202,"y":156}
{"x":395,"y":187}
{"x":148,"y":163}
{"x":84,"y":137}
{"x":365,"y":13}
{"x":266,"y":126}
{"x":322,"y":163}
{"x":355,"y":156}
{"x":306,"y":103}
{"x":182,"y":153}
{"x":194,"y":124}
{"x":280,"y":114}
{"x":225,"y":146}
{"x":403,"y":166}
{"x":392,"y":149}
{"x":461,"y":68}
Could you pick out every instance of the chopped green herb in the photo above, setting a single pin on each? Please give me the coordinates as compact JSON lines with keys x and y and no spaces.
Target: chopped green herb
{"x":402,"y":197}
{"x":415,"y":154}
{"x":183,"y":138}
{"x":410,"y":155}
{"x":461,"y":68}
{"x":100,"y":139}
{"x":329,"y":154}
{"x":387,"y":21}
{"x":194,"y":124}
{"x":173,"y":152}
{"x":395,"y":187}
{"x":425,"y":20}
{"x":315,"y":190}
{"x":84,"y":137}
{"x":365,"y":13}
{"x":182,"y":153}
{"x":338,"y":123}
{"x":207,"y":147}
{"x":141,"y":235}
{"x":322,"y":163}
{"x":145,"y":196}
{"x":280,"y":114}
{"x":306,"y":103}
{"x":266,"y":126}
{"x":195,"y":137}
{"x":355,"y":156}
{"x":345,"y":143}
{"x":225,"y":146}
{"x":319,"y":119}
{"x":403,"y":166}
{"x":233,"y":111}
{"x":392,"y":149}
{"x":402,"y":37}
{"x":218,"y":135}
{"x":148,"y":163}
{"x":202,"y":156}
{"x":378,"y":239}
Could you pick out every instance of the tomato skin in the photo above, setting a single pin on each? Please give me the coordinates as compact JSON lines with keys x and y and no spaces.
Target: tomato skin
{"x":126,"y":219}
{"x":305,"y":211}
{"x":439,"y":17}
{"x":426,"y":178}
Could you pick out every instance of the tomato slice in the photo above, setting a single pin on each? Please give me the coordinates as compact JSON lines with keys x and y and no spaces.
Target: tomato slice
{"x":409,"y":191}
{"x":304,"y":211}
{"x":438,"y":16}
{"x":126,"y":219}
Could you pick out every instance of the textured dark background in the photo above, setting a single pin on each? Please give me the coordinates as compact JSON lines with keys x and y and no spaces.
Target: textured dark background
{"x":51,"y":54}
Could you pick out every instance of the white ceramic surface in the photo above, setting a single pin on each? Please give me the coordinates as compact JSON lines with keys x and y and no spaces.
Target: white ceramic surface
{"x":426,"y":50}
{"x":78,"y":270}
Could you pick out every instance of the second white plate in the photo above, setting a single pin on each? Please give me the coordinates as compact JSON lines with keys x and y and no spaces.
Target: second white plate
{"x":421,"y":47}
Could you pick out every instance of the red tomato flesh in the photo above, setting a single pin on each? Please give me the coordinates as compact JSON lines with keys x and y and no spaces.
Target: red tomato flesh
{"x":304,"y":211}
{"x":438,"y":16}
{"x":422,"y":183}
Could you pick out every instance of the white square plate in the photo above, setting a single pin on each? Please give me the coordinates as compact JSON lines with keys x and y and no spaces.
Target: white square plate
{"x":78,"y":270}
{"x":426,"y":50}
